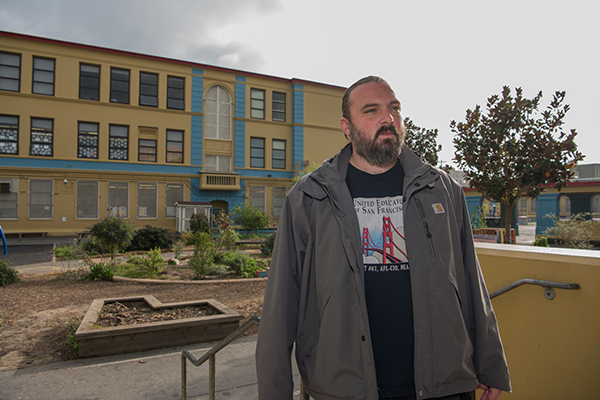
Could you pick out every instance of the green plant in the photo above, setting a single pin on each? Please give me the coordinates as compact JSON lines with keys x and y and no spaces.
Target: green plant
{"x":203,"y":259}
{"x":150,"y":265}
{"x":65,"y":252}
{"x":227,"y":236}
{"x":266,"y":247}
{"x":178,"y":249}
{"x":8,"y":273}
{"x":478,"y":218}
{"x":541,"y":241}
{"x":112,"y":235}
{"x":574,"y":233}
{"x":241,"y":263}
{"x":199,"y":223}
{"x":150,"y":237}
{"x":250,"y":218}
{"x":70,"y":342}
{"x":99,"y":271}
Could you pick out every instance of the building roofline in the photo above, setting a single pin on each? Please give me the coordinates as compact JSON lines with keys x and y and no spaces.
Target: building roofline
{"x":164,"y":59}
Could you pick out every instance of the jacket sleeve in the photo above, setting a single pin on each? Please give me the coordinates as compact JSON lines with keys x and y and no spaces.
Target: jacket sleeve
{"x":277,"y":331}
{"x":489,"y":359}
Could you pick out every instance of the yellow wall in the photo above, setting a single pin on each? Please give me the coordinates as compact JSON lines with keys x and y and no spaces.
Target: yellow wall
{"x":552,"y":346}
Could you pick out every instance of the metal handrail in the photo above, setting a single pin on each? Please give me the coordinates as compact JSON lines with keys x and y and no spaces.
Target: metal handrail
{"x":547,"y":285}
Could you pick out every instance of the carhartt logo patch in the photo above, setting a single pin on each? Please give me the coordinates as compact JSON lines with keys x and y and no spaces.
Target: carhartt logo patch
{"x":438,"y":208}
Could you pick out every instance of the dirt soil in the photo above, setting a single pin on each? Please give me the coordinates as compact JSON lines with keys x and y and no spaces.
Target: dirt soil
{"x":38,"y":314}
{"x":121,"y":313}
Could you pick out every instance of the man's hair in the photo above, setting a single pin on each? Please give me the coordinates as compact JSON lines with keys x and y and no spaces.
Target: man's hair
{"x":346,"y":98}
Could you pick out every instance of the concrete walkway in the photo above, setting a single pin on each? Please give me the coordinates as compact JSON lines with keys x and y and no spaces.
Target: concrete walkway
{"x":151,"y":375}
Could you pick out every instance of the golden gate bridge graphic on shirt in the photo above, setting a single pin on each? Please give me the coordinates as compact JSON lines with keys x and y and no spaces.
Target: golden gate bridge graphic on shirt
{"x":389,"y":247}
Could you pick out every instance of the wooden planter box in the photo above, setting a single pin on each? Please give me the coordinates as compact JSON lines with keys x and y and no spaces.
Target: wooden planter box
{"x":99,"y":341}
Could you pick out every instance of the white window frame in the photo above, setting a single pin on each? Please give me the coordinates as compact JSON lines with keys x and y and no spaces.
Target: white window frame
{"x":118,"y":209}
{"x":171,"y":210}
{"x":10,"y":198}
{"x":215,"y":163}
{"x":218,"y":109}
{"x":141,"y":206}
{"x":46,"y":206}
{"x":261,"y":208}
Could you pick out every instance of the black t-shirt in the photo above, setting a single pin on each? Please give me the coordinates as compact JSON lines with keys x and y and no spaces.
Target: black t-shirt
{"x":378,"y":205}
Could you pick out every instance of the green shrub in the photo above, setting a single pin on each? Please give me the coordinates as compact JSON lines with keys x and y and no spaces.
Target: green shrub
{"x":150,"y":237}
{"x":199,"y":223}
{"x":8,"y":273}
{"x":99,"y":272}
{"x":250,"y":218}
{"x":65,"y":252}
{"x":541,"y":241}
{"x":203,"y":260}
{"x":150,"y":265}
{"x":227,"y":236}
{"x":241,"y":263}
{"x":70,"y":342}
{"x":178,"y":249}
{"x":266,"y":247}
{"x":574,"y":233}
{"x":111,"y":235}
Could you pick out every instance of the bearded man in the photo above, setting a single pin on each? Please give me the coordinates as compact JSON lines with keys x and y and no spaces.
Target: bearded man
{"x":374,"y":275}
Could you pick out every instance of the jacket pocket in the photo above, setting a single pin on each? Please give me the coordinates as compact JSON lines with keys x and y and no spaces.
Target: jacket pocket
{"x":425,"y":225}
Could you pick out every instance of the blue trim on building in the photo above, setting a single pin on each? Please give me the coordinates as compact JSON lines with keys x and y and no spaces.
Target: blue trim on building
{"x":97,"y":166}
{"x":197,"y":71}
{"x":196,"y":146}
{"x":240,"y":78}
{"x":197,"y":93}
{"x":547,"y":203}
{"x":472,"y":203}
{"x":297,"y":131}
{"x":240,"y":100}
{"x":297,"y":104}
{"x":233,"y":198}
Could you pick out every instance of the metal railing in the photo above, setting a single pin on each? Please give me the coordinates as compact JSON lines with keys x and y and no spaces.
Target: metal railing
{"x":210,"y":356}
{"x":547,"y":285}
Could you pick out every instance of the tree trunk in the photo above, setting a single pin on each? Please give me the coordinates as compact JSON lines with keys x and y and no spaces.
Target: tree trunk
{"x":508,"y":222}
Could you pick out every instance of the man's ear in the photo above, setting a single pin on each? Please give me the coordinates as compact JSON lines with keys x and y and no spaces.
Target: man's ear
{"x":345,"y":126}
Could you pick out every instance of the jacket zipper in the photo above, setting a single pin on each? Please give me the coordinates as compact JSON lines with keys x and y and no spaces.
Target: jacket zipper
{"x":425,"y":225}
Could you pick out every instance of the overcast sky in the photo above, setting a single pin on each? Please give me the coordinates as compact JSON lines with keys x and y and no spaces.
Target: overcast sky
{"x":441,"y":57}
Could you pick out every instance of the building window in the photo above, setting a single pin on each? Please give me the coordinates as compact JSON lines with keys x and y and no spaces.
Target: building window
{"x":10,"y":72}
{"x":173,"y":193}
{"x":87,"y":199}
{"x":147,"y":200}
{"x":278,"y":106}
{"x":43,"y":76}
{"x":257,"y":152}
{"x":533,"y":206}
{"x":118,"y":198}
{"x":87,"y":140}
{"x":40,"y":198}
{"x":277,"y":198}
{"x":217,"y":163}
{"x":257,"y":103}
{"x":118,"y":142}
{"x":257,"y":197}
{"x":175,"y":93}
{"x":217,"y":113}
{"x":9,"y":134}
{"x":523,"y":207}
{"x":89,"y":82}
{"x":278,"y":154}
{"x":147,"y":150}
{"x":9,"y":198}
{"x":174,"y":146}
{"x":41,"y":137}
{"x":119,"y":86}
{"x":148,"y":89}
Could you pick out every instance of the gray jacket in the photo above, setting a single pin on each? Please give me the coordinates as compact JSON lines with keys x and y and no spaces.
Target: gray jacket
{"x":315,"y":292}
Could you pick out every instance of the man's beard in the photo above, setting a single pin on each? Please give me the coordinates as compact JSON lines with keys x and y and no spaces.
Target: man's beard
{"x":377,"y":153}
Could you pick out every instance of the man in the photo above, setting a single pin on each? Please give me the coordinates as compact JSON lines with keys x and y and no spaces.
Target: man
{"x":374,"y":275}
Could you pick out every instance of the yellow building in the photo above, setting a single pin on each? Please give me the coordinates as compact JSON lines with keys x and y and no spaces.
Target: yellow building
{"x":86,"y":131}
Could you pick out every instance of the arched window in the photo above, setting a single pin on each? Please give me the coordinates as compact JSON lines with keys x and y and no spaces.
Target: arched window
{"x":217,"y":113}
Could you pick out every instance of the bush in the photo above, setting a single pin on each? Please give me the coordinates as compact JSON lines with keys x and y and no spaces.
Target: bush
{"x":199,"y":223}
{"x":150,"y":237}
{"x":202,"y":261}
{"x":152,"y":264}
{"x":227,"y":234}
{"x":266,"y":247}
{"x":111,"y":235}
{"x":574,"y":233}
{"x":541,"y":241}
{"x":99,"y":272}
{"x":250,"y":218}
{"x":65,"y":252}
{"x":8,"y":274}
{"x":241,"y":263}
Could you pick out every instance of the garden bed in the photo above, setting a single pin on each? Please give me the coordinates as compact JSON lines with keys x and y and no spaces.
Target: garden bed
{"x":146,"y":323}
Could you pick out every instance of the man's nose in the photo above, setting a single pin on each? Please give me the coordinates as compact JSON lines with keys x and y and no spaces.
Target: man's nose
{"x":387,"y":118}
